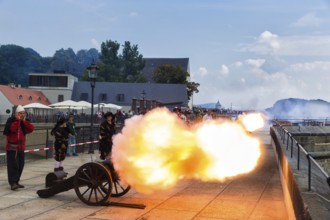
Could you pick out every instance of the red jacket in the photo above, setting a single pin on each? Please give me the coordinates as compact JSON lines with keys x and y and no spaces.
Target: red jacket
{"x":16,"y":137}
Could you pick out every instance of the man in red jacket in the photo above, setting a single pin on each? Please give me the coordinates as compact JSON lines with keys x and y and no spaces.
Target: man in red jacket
{"x":15,"y":146}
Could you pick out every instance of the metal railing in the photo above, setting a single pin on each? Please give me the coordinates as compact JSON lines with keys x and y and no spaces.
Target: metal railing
{"x":288,"y":139}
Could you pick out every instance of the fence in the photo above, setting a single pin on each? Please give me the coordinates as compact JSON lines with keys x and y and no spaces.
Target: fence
{"x":39,"y":144}
{"x":51,"y":119}
{"x":318,"y":178}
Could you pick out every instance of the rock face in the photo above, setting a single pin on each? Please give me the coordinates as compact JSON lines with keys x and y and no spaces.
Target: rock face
{"x":293,"y":108}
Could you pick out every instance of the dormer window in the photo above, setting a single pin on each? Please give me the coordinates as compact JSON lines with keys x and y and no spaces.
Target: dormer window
{"x":30,"y":98}
{"x":39,"y":98}
{"x":20,"y":97}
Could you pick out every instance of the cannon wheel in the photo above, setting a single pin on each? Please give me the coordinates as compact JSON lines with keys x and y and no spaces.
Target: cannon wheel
{"x":120,"y":188}
{"x":93,"y":184}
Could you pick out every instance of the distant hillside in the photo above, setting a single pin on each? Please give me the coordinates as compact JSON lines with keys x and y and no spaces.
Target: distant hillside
{"x":293,"y":108}
{"x":206,"y":105}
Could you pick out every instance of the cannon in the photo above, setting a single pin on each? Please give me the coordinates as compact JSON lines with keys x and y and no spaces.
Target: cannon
{"x":93,"y":182}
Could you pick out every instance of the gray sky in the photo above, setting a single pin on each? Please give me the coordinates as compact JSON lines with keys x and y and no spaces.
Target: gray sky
{"x":245,"y":53}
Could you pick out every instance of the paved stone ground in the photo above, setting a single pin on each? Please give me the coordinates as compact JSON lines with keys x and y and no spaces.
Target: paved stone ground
{"x":257,"y":195}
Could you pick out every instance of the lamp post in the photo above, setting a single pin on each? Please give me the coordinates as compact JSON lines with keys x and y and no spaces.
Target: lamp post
{"x":92,"y":74}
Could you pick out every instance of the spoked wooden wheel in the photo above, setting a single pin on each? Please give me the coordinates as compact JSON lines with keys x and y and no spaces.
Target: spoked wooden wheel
{"x":93,"y":184}
{"x":120,"y":188}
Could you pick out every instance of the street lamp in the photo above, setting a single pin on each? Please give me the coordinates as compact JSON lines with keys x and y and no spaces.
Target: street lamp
{"x":92,"y":74}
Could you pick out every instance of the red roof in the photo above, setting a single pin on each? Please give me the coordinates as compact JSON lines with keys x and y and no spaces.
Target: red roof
{"x":23,"y":96}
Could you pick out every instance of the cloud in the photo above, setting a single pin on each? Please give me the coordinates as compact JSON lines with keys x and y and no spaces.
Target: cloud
{"x":298,"y":45}
{"x":202,"y":72}
{"x":266,"y":43}
{"x":257,"y":63}
{"x":95,"y":43}
{"x":252,"y":87}
{"x":224,"y":70}
{"x":308,"y":20}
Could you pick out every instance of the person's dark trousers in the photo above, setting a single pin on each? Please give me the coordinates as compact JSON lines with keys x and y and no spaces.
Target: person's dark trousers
{"x":15,"y":165}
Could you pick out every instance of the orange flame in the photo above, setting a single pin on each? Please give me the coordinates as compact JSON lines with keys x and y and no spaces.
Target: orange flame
{"x":252,"y":121}
{"x":156,"y":150}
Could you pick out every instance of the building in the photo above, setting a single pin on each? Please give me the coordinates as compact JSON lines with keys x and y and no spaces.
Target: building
{"x":218,"y":105}
{"x":57,"y":87}
{"x":13,"y":95}
{"x":122,"y":94}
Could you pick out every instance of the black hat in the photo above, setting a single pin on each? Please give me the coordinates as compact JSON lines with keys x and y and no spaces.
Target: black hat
{"x":108,"y":114}
{"x":61,"y":120}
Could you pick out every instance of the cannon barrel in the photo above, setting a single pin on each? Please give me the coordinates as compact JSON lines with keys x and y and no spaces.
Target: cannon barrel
{"x":59,"y":187}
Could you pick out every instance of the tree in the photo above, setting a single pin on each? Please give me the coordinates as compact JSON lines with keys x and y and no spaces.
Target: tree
{"x":166,"y":73}
{"x":16,"y":62}
{"x":132,"y":64}
{"x":109,"y":62}
{"x":125,"y":67}
{"x":191,"y":88}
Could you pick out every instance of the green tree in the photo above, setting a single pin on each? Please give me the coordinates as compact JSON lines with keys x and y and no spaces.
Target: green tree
{"x":132,"y":63}
{"x":192,"y":87}
{"x":16,"y":62}
{"x":115,"y":67}
{"x":109,"y":62}
{"x":166,"y":73}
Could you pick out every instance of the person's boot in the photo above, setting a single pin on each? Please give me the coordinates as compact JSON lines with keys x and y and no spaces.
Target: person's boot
{"x":61,"y":168}
{"x":14,"y":186}
{"x":19,"y":185}
{"x":56,"y":169}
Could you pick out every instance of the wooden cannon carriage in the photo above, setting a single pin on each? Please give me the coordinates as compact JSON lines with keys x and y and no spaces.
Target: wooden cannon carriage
{"x":93,"y":182}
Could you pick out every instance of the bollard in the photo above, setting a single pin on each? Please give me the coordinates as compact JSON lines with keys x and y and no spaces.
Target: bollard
{"x":50,"y":152}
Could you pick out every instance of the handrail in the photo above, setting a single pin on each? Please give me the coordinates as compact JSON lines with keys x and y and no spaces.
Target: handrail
{"x":282,"y":131}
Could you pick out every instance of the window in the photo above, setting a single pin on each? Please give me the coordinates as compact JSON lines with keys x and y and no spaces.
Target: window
{"x":48,"y":81}
{"x":20,"y":97}
{"x":39,"y":98}
{"x":103,"y":97}
{"x":84,"y":96}
{"x":30,"y":98}
{"x":120,"y":97}
{"x":60,"y":98}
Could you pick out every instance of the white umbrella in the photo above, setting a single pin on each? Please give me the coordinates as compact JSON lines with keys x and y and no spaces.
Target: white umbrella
{"x":66,"y":104}
{"x":108,"y":105}
{"x":85,"y":104}
{"x":36,"y":105}
{"x":37,"y":109}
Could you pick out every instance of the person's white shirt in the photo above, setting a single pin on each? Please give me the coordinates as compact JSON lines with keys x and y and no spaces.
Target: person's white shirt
{"x":207,"y":116}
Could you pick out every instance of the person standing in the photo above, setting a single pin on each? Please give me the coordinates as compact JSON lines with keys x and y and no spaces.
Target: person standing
{"x":71,"y":126}
{"x":107,"y":130}
{"x":208,"y":115}
{"x":17,"y":128}
{"x":61,"y":143}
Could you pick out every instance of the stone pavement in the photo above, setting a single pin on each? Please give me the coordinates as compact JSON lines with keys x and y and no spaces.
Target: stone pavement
{"x":257,"y":195}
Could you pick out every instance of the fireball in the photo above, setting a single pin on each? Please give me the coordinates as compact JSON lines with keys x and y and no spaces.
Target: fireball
{"x":154,"y":151}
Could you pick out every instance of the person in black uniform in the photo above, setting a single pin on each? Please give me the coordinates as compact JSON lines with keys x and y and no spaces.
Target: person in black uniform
{"x":107,"y":130}
{"x":61,"y":143}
